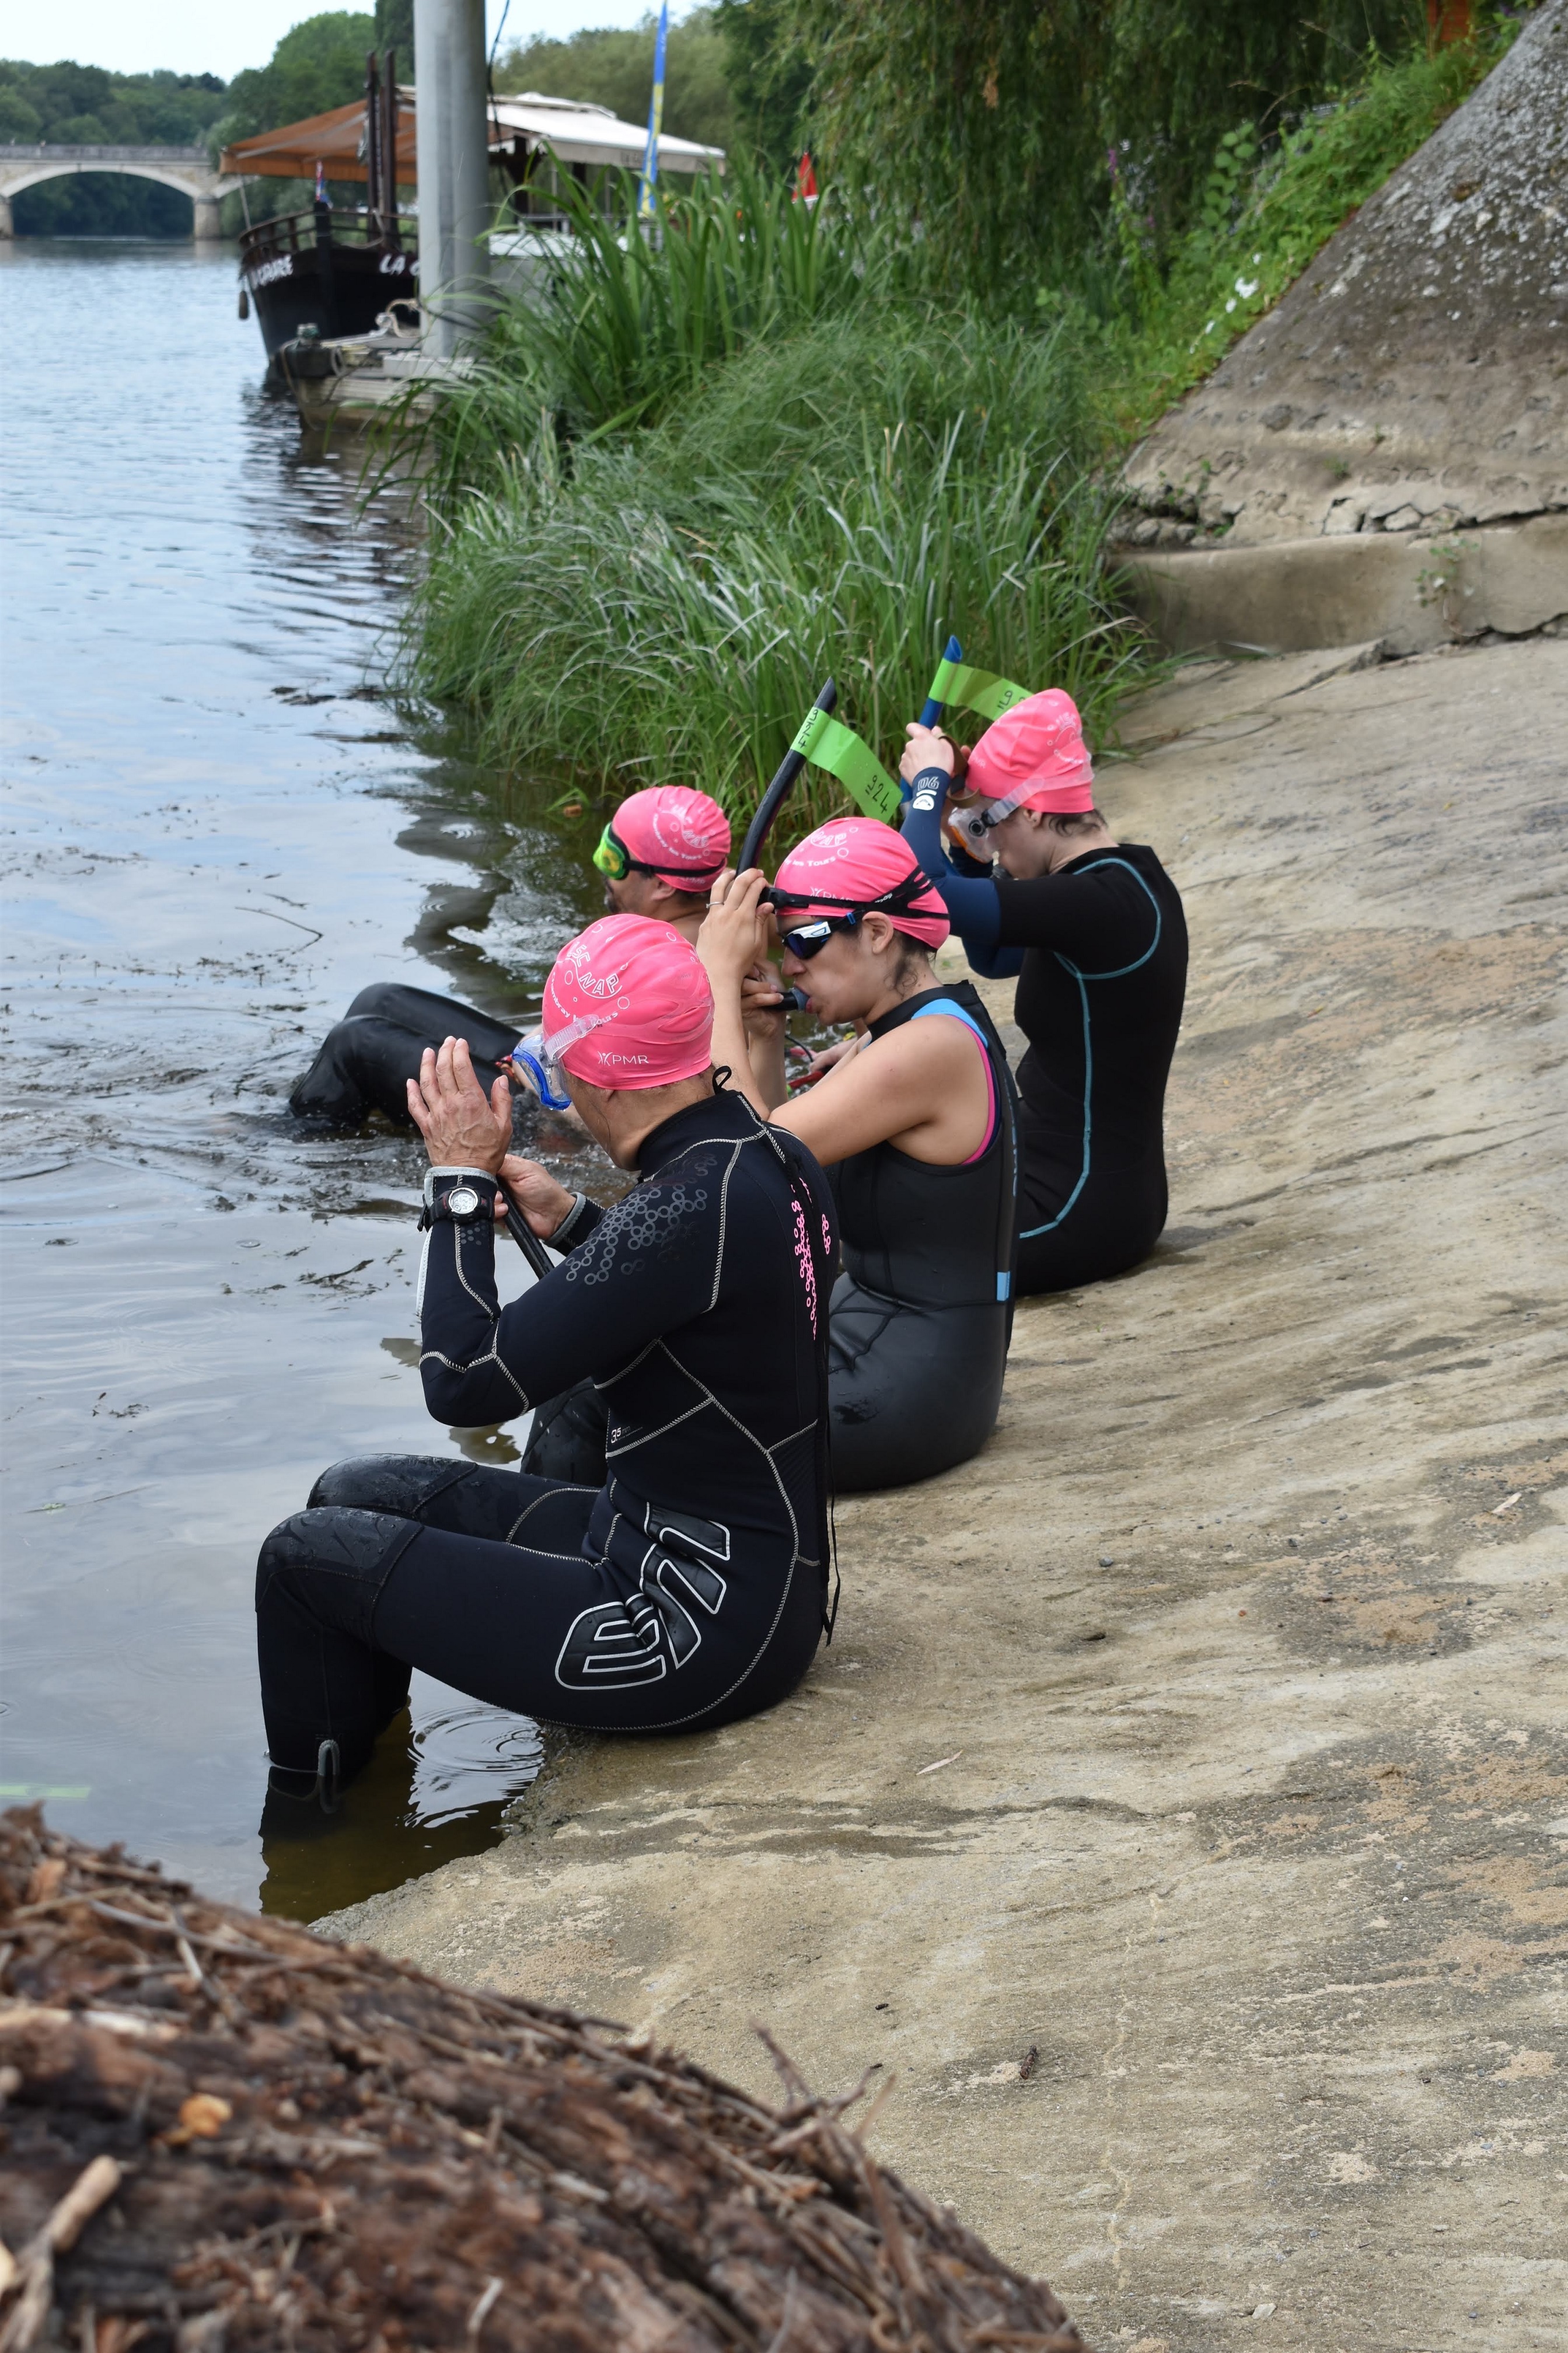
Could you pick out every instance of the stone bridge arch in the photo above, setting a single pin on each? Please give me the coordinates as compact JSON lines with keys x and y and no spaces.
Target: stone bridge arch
{"x":185,"y":168}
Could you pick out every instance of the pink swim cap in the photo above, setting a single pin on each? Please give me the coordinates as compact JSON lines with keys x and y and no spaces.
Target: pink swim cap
{"x":855,"y":863}
{"x":628,"y":1003}
{"x":1034,"y":756}
{"x":682,"y":836}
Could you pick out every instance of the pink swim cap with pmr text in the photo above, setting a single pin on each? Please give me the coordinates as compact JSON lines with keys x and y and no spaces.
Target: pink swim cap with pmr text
{"x":1034,"y":756}
{"x":680,"y":835}
{"x":852,"y":864}
{"x":628,"y":1003}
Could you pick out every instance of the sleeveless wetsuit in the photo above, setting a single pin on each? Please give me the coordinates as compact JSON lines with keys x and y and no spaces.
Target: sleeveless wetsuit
{"x":690,"y":1588}
{"x":921,"y":1315}
{"x":1100,"y":952}
{"x":367,"y":1059}
{"x":917,"y":1329}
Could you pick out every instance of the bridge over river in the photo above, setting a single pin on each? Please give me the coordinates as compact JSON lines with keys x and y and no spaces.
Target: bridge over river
{"x":189,"y":169}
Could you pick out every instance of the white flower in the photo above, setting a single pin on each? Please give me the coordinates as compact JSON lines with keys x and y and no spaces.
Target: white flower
{"x":1231,"y":305}
{"x":1247,"y":290}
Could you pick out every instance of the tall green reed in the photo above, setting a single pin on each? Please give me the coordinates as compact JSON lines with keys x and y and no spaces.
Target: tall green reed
{"x":664,"y":607}
{"x":636,"y":316}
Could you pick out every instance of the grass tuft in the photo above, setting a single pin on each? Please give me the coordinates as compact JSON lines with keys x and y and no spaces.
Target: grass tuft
{"x":663,"y":607}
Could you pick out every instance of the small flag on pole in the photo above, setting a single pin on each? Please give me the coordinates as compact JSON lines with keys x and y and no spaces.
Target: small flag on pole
{"x":649,"y":180}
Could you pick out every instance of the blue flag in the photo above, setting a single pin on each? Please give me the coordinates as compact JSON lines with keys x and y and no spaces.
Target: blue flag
{"x":649,"y":179}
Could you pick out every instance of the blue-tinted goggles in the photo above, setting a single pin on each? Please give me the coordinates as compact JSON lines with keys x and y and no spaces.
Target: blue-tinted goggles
{"x":806,"y":939}
{"x":810,"y":939}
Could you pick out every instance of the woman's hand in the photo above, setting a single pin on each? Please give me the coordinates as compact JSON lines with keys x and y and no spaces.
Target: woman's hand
{"x":462,"y":1128}
{"x":827,"y":1060}
{"x":542,"y":1201}
{"x":735,"y":931}
{"x":927,"y":747}
{"x":762,"y":1002}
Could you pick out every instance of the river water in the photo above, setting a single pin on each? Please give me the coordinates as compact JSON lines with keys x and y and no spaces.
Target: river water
{"x":216,"y":833}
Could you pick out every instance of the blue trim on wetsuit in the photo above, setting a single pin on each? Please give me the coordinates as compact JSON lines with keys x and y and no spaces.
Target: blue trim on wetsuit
{"x":1082,"y":977}
{"x":971,"y":901}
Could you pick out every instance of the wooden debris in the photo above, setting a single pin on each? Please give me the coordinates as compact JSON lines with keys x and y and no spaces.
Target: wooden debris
{"x":289,"y":2142}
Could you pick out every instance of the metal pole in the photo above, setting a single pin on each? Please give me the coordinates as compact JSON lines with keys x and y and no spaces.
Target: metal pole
{"x":452,"y":135}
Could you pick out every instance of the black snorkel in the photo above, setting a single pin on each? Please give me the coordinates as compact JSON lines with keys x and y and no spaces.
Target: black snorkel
{"x":774,"y":800}
{"x":523,"y":1235}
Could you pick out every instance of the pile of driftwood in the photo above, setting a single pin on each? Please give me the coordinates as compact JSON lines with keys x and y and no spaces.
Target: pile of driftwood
{"x":221,"y":2132}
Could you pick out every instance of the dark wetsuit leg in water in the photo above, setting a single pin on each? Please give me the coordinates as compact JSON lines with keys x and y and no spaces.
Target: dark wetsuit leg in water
{"x":1099,"y":948}
{"x":368,"y":1057}
{"x":920,"y":1317}
{"x":687,"y":1591}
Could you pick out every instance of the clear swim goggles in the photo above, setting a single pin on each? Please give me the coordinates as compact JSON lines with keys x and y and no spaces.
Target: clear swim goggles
{"x":975,"y":823}
{"x":535,"y":1060}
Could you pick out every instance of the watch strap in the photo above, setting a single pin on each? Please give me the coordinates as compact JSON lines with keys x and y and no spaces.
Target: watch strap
{"x":440,"y":1184}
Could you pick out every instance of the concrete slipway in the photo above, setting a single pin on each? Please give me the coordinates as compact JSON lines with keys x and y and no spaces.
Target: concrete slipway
{"x":1180,"y":1814}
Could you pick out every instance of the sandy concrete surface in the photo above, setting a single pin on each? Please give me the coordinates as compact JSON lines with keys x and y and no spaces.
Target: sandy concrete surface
{"x":1180,"y":1813}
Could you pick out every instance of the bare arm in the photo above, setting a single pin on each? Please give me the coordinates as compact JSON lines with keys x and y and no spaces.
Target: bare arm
{"x":922,"y":1087}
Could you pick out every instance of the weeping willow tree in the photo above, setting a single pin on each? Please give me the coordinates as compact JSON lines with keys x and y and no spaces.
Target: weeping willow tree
{"x":996,"y":129}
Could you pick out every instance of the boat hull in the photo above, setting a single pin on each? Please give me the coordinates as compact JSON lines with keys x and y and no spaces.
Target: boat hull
{"x":337,"y":287}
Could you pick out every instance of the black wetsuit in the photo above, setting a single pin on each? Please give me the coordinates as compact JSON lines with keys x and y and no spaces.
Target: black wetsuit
{"x":918,"y":1329}
{"x":1104,"y":975}
{"x":689,"y":1590}
{"x":1100,"y":952}
{"x":368,"y":1057}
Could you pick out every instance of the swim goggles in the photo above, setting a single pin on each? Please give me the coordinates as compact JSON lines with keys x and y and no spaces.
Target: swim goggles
{"x":806,"y":939}
{"x":613,"y":859}
{"x":974,"y":823}
{"x":535,"y":1060}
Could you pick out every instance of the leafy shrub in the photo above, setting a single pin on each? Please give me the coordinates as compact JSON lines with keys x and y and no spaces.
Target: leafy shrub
{"x":1260,"y":219}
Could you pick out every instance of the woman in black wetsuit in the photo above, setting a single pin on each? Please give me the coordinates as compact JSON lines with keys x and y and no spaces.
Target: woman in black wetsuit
{"x":690,"y":1588}
{"x":915,"y":1125}
{"x":1095,"y":931}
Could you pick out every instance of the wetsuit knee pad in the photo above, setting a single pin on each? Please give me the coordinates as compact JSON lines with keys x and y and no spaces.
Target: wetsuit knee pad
{"x":367,"y":1059}
{"x":331,"y":1564}
{"x":400,"y":1484}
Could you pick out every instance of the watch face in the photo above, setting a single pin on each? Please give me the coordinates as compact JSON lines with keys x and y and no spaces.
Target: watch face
{"x":462,"y":1201}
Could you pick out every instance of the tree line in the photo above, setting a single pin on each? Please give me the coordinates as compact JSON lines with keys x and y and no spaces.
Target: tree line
{"x":1016,"y":138}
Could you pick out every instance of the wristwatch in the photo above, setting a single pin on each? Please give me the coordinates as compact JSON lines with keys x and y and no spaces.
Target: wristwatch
{"x":458,"y":1197}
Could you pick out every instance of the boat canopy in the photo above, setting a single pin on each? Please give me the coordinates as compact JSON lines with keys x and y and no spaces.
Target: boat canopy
{"x":521,"y":128}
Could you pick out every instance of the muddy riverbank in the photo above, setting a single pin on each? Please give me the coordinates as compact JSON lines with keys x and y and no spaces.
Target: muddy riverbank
{"x":216,"y":833}
{"x":1181,"y":1811}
